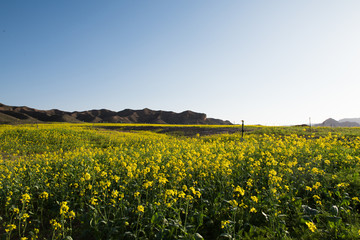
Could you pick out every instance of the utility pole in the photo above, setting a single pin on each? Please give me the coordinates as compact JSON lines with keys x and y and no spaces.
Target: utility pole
{"x":242,"y":129}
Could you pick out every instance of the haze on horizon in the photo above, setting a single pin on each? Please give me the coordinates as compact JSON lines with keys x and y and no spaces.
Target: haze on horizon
{"x":267,"y":62}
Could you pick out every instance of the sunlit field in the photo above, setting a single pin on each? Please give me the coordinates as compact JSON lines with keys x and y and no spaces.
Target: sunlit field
{"x":79,"y":181}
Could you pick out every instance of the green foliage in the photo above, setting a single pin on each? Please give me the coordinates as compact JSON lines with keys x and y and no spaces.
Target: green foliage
{"x":68,"y":181}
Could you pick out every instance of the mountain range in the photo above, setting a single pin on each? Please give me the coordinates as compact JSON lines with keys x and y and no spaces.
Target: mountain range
{"x":346,"y":122}
{"x":17,"y":115}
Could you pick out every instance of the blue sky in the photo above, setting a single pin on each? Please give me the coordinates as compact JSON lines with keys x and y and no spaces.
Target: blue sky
{"x":267,"y":62}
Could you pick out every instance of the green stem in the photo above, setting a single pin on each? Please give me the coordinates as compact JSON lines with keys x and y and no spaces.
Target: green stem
{"x":137,"y":226}
{"x":234,"y":224}
{"x":186,"y":214}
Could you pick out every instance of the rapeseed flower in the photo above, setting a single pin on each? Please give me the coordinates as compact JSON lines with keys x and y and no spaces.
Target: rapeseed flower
{"x":10,"y":227}
{"x":87,"y":176}
{"x":239,"y":191}
{"x":44,"y":195}
{"x":16,"y":210}
{"x":55,"y":224}
{"x":233,"y":203}
{"x":25,"y":198}
{"x":226,"y":222}
{"x":254,"y":198}
{"x":311,"y":226}
{"x":140,"y":208}
{"x":64,"y":208}
{"x":253,"y":210}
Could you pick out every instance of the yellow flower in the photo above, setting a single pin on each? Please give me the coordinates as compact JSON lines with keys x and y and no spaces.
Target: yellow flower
{"x":342,"y":185}
{"x":114,"y":193}
{"x":121,"y":196}
{"x":16,"y":210}
{"x":311,"y":226}
{"x":10,"y":227}
{"x":249,"y":182}
{"x":316,"y":197}
{"x":272,"y":172}
{"x":71,"y":215}
{"x":25,"y":216}
{"x":254,"y":198}
{"x":148,"y":184}
{"x":93,"y":201}
{"x":170,"y":192}
{"x":140,"y":208}
{"x":233,"y":203}
{"x":253,"y":210}
{"x":181,"y":194}
{"x":25,"y":198}
{"x":317,"y":185}
{"x":87,"y":176}
{"x":239,"y":190}
{"x":116,"y":178}
{"x":198,"y":194}
{"x":44,"y":195}
{"x":163,"y":180}
{"x":64,"y":208}
{"x":224,"y":223}
{"x":55,"y":224}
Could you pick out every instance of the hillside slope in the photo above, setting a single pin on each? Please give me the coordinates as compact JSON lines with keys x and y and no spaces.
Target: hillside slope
{"x":14,"y":115}
{"x":330,"y":122}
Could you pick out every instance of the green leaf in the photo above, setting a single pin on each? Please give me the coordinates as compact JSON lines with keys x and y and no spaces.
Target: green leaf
{"x":334,"y":219}
{"x":310,"y":211}
{"x":266,"y":216}
{"x":334,"y":210}
{"x":306,"y":217}
{"x":198,"y":236}
{"x":129,"y":235}
{"x":225,"y":235}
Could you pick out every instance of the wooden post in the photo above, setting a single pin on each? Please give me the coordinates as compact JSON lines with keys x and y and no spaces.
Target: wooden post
{"x":242,"y":129}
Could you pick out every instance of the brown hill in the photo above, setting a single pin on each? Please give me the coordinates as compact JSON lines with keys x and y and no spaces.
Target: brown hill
{"x":14,"y":115}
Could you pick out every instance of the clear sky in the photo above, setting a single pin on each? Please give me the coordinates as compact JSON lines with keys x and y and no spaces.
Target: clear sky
{"x":267,"y":62}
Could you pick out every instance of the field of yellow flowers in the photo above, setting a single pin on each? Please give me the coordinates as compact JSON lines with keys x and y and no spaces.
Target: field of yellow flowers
{"x":68,"y":181}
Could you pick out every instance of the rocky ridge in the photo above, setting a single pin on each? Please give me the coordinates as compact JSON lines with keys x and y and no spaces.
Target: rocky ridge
{"x":23,"y":114}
